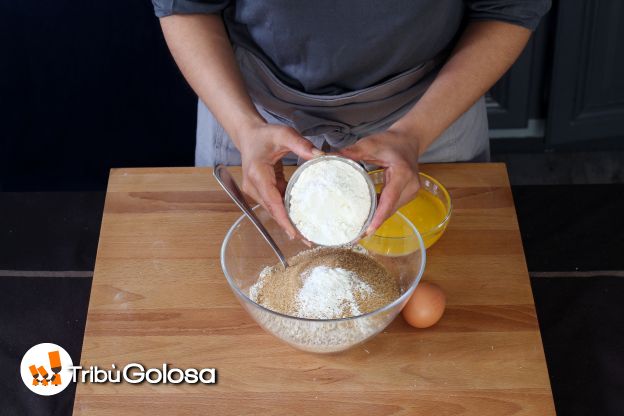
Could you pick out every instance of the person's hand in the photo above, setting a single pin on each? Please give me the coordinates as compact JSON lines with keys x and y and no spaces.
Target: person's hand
{"x":398,"y":153}
{"x":262,"y":147}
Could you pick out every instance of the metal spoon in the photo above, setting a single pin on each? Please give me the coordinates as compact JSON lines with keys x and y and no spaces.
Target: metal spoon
{"x":227,"y":182}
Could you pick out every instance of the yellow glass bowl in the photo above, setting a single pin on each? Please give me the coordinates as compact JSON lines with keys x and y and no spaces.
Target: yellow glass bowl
{"x":430,"y":212}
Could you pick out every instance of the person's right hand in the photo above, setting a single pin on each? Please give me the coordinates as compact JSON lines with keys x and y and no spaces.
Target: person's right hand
{"x":262,"y":148}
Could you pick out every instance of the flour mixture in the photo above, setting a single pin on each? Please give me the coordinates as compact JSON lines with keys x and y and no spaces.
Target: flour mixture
{"x":325,"y":283}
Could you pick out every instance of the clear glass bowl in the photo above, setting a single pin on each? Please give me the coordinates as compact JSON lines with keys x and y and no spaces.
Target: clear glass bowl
{"x":244,"y":254}
{"x":356,"y":166}
{"x":439,"y":198}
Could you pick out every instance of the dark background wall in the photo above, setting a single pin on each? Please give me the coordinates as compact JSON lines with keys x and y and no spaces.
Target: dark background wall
{"x":85,"y":86}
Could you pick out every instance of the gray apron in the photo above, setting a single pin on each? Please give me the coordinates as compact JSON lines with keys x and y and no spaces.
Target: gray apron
{"x":337,"y":121}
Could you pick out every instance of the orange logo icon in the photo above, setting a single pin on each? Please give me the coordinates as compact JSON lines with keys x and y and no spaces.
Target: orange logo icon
{"x":55,"y":366}
{"x":44,"y":369}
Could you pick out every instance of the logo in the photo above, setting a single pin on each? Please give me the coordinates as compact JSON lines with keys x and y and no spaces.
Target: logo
{"x":45,"y":369}
{"x":135,"y":373}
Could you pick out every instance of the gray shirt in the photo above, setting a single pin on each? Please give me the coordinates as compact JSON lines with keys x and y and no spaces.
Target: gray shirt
{"x":332,"y":47}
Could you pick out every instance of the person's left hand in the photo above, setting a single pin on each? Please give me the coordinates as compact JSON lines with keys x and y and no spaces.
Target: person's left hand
{"x":397,"y":152}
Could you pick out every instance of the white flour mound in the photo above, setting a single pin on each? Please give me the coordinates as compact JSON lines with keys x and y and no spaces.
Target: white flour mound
{"x":329,"y":203}
{"x":328,"y":292}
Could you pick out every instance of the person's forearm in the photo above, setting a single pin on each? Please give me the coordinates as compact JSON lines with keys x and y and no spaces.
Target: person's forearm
{"x":201,"y":48}
{"x":483,"y":54}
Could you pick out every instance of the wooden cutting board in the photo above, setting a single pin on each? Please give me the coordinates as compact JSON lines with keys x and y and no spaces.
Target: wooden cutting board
{"x":159,"y":296}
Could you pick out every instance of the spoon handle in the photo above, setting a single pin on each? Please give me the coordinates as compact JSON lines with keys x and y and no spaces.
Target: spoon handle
{"x":227,"y":182}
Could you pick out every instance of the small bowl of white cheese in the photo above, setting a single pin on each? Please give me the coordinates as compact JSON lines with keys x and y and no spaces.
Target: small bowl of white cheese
{"x":331,"y":200}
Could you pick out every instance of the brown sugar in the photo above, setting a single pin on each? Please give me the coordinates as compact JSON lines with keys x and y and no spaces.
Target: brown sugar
{"x":278,"y":288}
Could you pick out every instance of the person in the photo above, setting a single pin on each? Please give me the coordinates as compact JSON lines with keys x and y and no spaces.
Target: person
{"x":386,"y":82}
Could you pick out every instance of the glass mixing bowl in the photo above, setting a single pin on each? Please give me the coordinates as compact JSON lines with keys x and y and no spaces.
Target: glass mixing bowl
{"x":430,"y":211}
{"x":244,"y":254}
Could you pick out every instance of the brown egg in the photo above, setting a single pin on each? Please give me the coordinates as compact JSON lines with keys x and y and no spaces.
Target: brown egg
{"x":426,"y":305}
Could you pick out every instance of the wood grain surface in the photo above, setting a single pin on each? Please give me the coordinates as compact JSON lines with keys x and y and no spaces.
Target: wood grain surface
{"x":159,"y":296}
